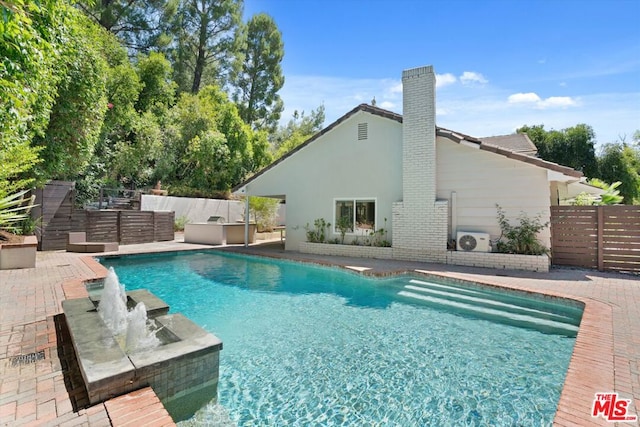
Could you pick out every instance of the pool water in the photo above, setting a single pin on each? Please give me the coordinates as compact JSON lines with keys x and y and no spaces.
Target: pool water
{"x":307,"y":345}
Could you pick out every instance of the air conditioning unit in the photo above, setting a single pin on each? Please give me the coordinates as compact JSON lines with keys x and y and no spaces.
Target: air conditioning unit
{"x":472,"y":242}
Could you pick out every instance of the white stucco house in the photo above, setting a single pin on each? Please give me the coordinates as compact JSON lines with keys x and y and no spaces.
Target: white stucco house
{"x":421,"y":183}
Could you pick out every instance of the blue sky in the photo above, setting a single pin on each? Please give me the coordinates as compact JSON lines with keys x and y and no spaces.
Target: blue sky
{"x":499,"y":64}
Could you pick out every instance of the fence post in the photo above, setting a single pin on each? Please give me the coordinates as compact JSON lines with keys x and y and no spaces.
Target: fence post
{"x":600,"y":247}
{"x":119,"y":228}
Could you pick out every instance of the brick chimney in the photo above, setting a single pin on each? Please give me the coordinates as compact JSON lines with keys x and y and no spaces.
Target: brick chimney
{"x":419,"y":222}
{"x":419,"y":136}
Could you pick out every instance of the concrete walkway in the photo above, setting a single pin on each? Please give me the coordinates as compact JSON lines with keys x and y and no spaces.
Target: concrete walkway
{"x":37,"y":386}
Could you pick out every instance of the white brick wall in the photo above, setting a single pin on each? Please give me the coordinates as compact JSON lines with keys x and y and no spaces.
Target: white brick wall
{"x":471,"y":259}
{"x":346,"y":250}
{"x":500,"y":261}
{"x":419,"y":222}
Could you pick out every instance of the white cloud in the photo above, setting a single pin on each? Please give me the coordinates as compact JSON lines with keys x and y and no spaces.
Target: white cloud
{"x":490,"y":112}
{"x":443,"y":80}
{"x":558,"y":101}
{"x":471,"y":77}
{"x":396,"y":88}
{"x":537,"y":102}
{"x":523,"y":98}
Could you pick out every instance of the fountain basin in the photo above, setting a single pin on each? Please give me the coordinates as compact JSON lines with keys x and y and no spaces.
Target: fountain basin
{"x":186,"y":361}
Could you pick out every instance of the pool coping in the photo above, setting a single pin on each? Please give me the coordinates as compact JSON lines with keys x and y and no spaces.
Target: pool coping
{"x":591,"y":367}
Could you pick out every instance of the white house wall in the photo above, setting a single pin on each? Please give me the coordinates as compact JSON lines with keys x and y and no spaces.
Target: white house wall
{"x":483,"y":179}
{"x":336,"y":166}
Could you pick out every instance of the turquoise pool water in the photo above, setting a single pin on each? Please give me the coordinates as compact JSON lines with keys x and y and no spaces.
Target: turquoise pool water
{"x":306,"y":345}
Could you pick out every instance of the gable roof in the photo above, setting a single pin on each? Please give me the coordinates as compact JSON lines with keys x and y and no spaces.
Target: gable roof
{"x":516,"y":146}
{"x":518,"y":142}
{"x":482,"y":144}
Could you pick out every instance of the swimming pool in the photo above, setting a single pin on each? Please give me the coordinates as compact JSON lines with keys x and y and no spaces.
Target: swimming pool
{"x":308,"y":345}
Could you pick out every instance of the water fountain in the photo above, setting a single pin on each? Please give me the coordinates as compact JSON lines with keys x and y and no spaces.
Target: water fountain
{"x":132,"y":328}
{"x":127,"y":340}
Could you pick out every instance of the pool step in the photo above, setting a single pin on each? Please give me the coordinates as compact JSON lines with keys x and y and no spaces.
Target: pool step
{"x":503,"y":307}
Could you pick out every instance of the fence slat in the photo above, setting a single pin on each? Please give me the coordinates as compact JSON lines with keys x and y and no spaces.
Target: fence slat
{"x":125,"y":227}
{"x":603,"y":237}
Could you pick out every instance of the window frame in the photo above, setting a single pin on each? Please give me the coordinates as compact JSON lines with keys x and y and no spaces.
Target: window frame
{"x":355,"y":200}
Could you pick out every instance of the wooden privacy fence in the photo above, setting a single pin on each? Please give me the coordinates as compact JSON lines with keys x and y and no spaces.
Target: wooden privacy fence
{"x":125,"y":227}
{"x":602,"y":237}
{"x":56,"y":217}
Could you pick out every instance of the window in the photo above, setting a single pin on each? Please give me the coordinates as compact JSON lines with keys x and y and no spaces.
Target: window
{"x":357,"y":215}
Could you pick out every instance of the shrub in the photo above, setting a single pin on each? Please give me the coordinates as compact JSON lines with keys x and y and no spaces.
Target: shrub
{"x":317,"y":234}
{"x":180,"y":222}
{"x":523,"y":238}
{"x":14,"y":209}
{"x":265,"y":210}
{"x":344,"y":224}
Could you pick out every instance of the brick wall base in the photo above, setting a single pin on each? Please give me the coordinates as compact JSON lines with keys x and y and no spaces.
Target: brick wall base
{"x":539,"y":263}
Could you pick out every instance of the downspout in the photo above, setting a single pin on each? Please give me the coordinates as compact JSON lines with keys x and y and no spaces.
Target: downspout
{"x":454,"y":214}
{"x":246,"y":221}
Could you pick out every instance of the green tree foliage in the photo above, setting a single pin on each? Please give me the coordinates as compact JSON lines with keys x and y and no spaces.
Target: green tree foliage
{"x":138,"y":24}
{"x":265,"y":211}
{"x":258,"y":75}
{"x":207,"y":145}
{"x":205,"y":42}
{"x":573,"y":146}
{"x":30,"y":33}
{"x":621,"y":162}
{"x":77,"y":115}
{"x":296,"y":131}
{"x":135,"y":157}
{"x":158,"y":90}
{"x":120,"y":127}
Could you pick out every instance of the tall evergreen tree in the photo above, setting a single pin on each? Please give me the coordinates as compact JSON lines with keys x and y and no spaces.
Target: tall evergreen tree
{"x":258,"y":74}
{"x":138,"y":24}
{"x":205,"y":42}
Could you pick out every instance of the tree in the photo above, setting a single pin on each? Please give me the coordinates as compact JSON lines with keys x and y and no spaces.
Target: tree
{"x":297,"y":130}
{"x":138,"y":24}
{"x":77,"y":115}
{"x":205,"y":43}
{"x":621,"y":162}
{"x":31,"y":33}
{"x":258,"y":75}
{"x":158,"y":90}
{"x":207,"y":146}
{"x":573,"y":147}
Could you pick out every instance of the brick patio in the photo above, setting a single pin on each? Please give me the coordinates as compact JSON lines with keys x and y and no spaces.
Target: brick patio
{"x":37,"y":386}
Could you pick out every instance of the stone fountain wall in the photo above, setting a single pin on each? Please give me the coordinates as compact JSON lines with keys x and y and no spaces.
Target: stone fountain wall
{"x":186,"y":362}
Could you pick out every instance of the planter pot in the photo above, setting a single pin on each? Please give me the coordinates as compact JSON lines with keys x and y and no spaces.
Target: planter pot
{"x":19,"y":255}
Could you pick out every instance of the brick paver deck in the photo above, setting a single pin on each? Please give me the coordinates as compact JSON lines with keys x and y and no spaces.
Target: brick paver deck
{"x":37,"y":388}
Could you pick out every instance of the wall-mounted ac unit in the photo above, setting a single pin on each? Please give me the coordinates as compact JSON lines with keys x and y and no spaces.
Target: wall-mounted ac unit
{"x":472,"y":242}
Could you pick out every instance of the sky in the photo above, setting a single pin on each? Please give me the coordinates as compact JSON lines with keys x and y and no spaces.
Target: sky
{"x":499,"y":64}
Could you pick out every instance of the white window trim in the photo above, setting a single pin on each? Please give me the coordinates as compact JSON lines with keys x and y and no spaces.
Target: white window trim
{"x":354,"y":200}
